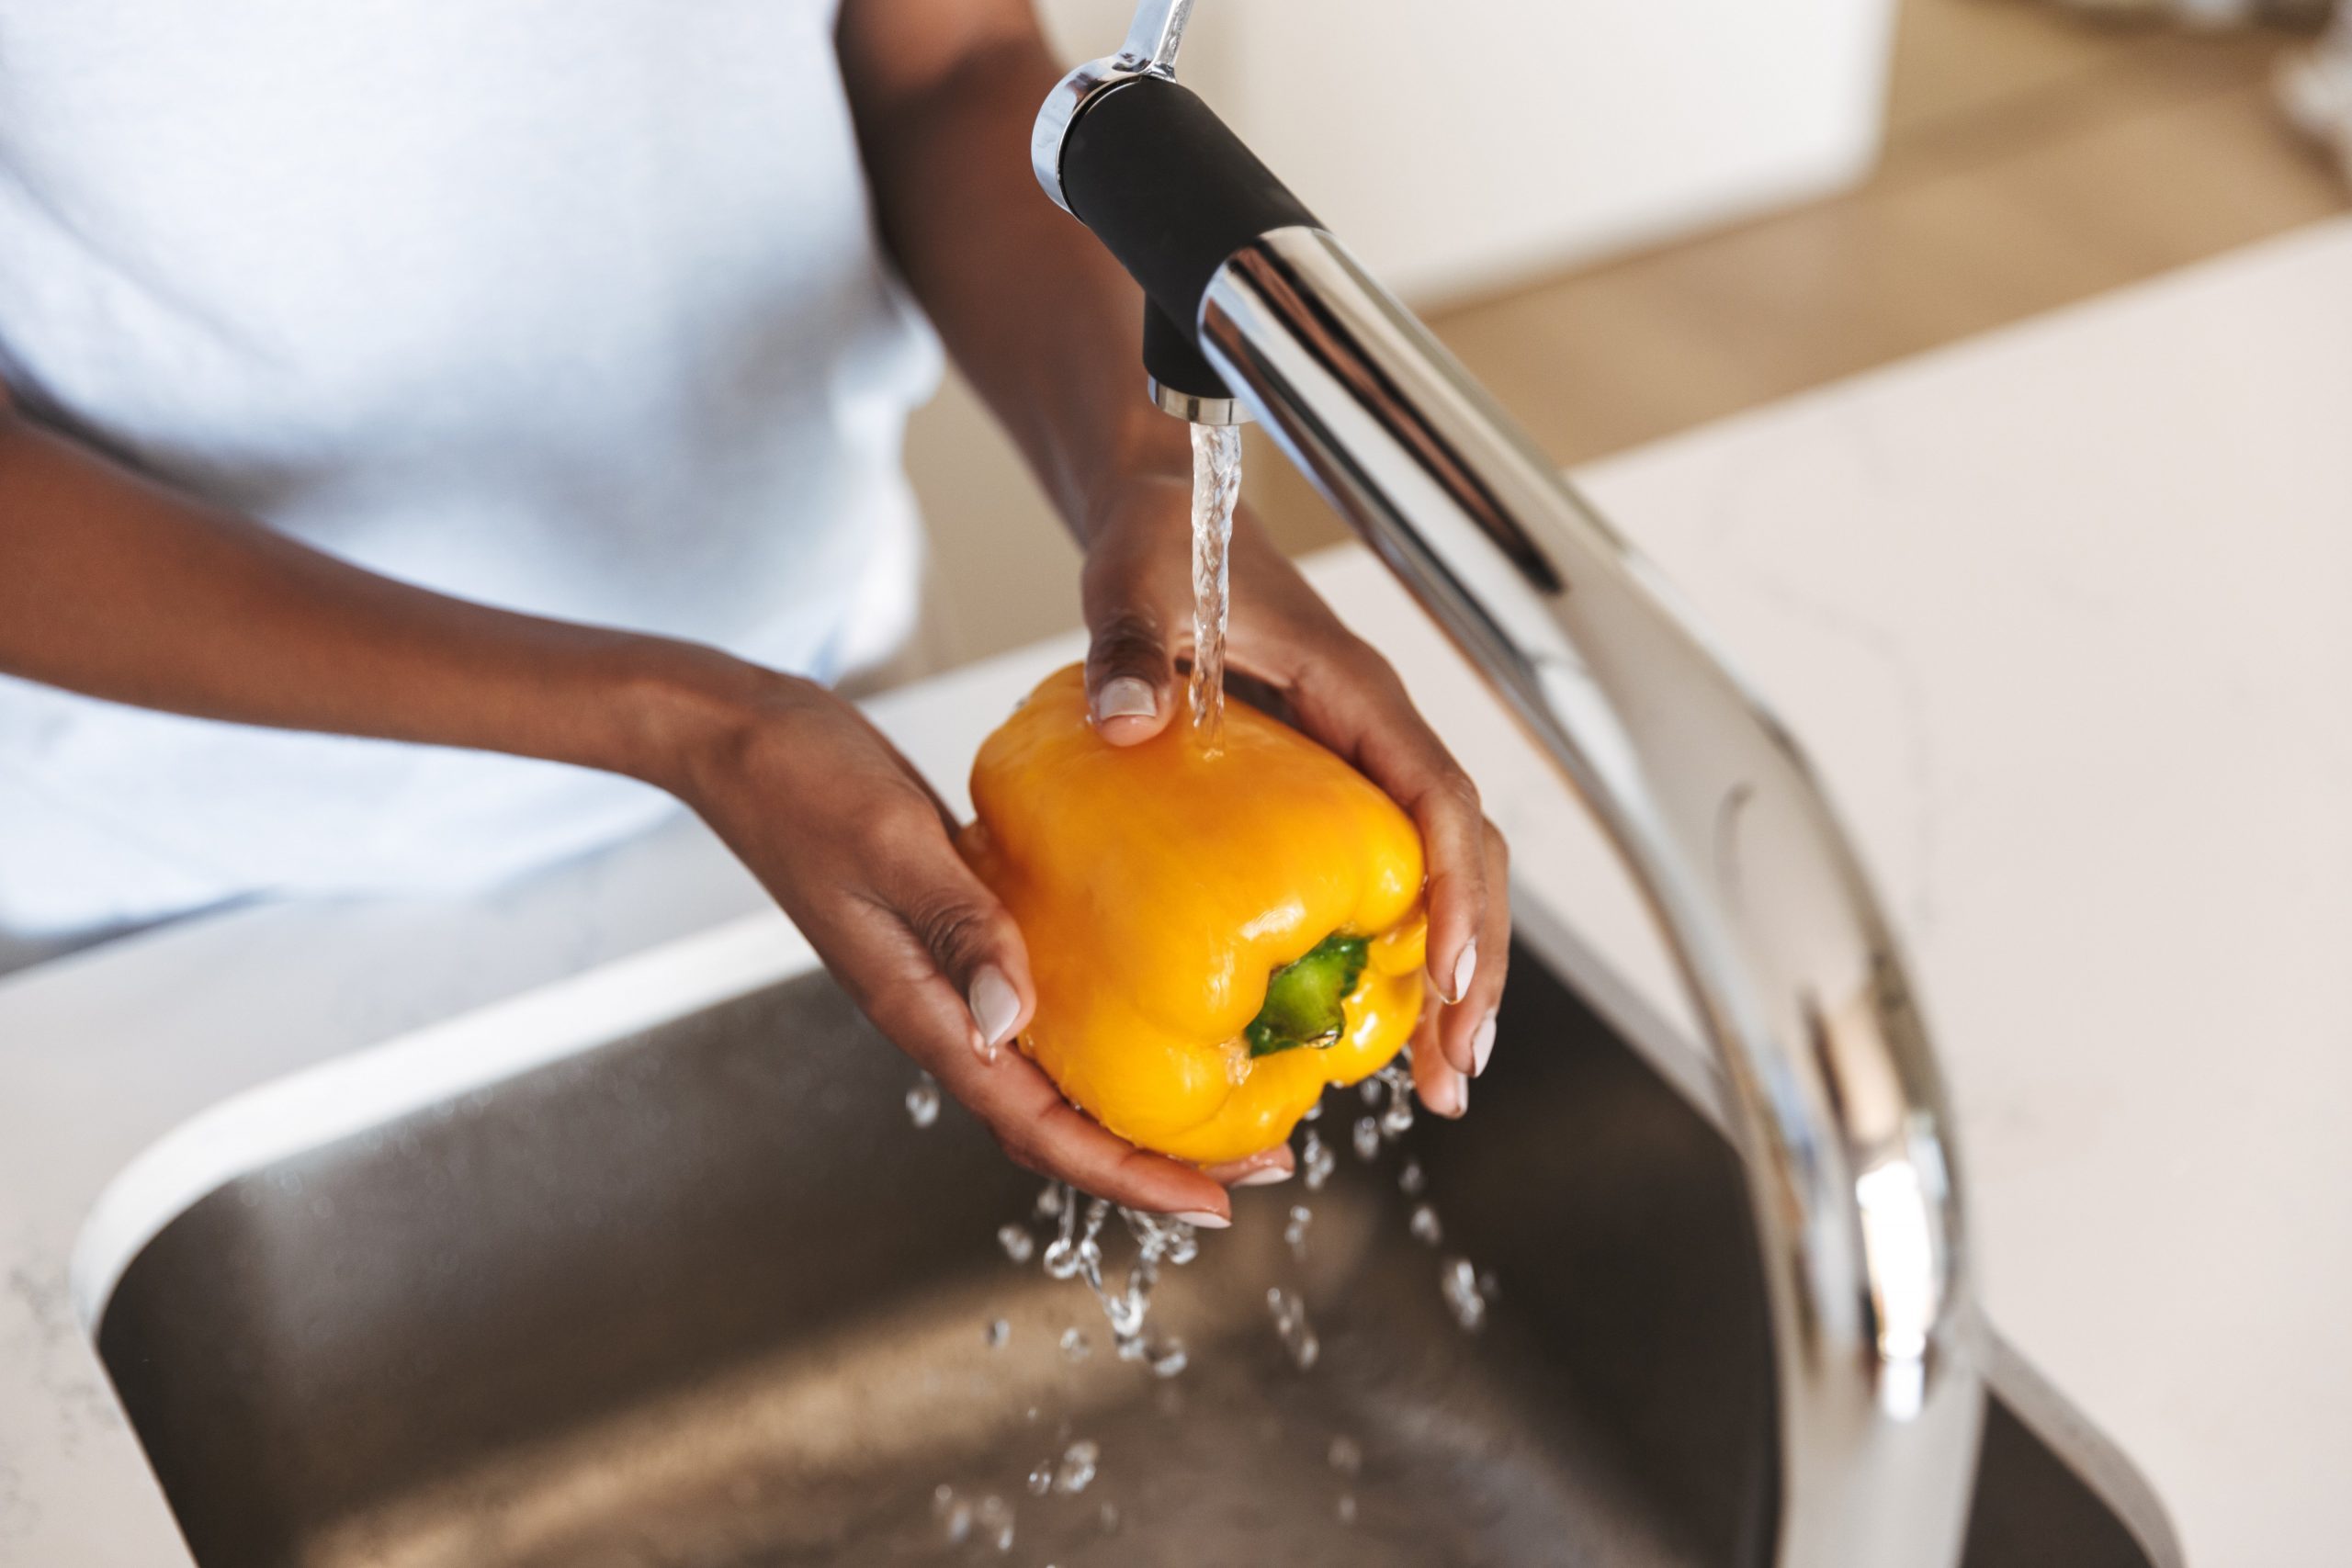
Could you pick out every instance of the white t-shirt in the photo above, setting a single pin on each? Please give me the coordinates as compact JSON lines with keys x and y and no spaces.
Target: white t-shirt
{"x":571,"y":306}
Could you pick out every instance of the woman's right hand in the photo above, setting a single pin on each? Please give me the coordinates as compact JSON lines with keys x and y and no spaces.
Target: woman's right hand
{"x":849,"y":839}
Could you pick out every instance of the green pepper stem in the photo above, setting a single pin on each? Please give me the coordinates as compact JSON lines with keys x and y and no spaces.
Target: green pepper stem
{"x":1305,"y":999}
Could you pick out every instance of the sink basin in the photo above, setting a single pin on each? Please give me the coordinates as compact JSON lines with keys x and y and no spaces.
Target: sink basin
{"x":701,"y":1294}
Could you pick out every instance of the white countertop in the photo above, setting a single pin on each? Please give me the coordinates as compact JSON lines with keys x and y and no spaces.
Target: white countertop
{"x":2065,"y":615}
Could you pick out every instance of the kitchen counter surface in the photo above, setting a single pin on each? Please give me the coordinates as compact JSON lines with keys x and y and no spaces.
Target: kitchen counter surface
{"x":2065,"y":615}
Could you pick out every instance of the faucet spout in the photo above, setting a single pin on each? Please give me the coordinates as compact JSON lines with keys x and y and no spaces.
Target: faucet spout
{"x":1842,"y":1119}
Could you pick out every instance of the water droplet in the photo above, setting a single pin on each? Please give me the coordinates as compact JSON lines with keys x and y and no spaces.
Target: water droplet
{"x":1315,"y":1162}
{"x":1398,"y":1120}
{"x":1090,"y":1248}
{"x":1346,"y":1508}
{"x":1041,"y":1479}
{"x":1488,"y":1286}
{"x":1018,"y":1243}
{"x":953,"y":1514}
{"x":1424,"y":1225}
{"x":1108,"y":1517}
{"x":1075,"y":1344}
{"x":1346,"y":1457}
{"x":1367,"y":1138}
{"x":1168,"y":1358}
{"x":1237,"y":1061}
{"x":923,"y":1100}
{"x":1051,"y":1202}
{"x":1292,"y":1328}
{"x":1370,"y":1090}
{"x":1061,"y":1257}
{"x":1314,"y":1112}
{"x":1294,"y":1232}
{"x":1077,"y":1469}
{"x":1459,"y":1282}
{"x":998,"y":1332}
{"x":995,"y":1518}
{"x":1412,"y":1179}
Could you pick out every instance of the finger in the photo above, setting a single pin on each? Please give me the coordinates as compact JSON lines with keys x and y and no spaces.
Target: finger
{"x":1045,"y":1133}
{"x":1441,"y":1087}
{"x":1130,"y":681}
{"x":899,"y":984}
{"x":963,"y":926}
{"x":1468,"y":1027}
{"x":1262,"y":1169}
{"x":1353,"y":703}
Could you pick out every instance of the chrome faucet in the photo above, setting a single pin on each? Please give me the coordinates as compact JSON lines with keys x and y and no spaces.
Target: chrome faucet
{"x":1842,"y":1119}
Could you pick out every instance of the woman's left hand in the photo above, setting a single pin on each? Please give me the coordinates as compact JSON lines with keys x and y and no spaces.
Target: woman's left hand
{"x":1137,"y":588}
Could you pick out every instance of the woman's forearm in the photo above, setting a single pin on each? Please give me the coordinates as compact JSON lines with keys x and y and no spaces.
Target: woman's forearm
{"x":1035,"y":312}
{"x":117,"y":588}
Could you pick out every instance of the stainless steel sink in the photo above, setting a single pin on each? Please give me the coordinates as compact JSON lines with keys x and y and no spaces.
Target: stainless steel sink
{"x":703,"y":1296}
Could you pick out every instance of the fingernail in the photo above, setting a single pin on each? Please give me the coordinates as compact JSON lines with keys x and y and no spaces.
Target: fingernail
{"x":995,"y":1005}
{"x":1265,"y":1176}
{"x":1450,"y":1095}
{"x":1206,"y":1219}
{"x":1482,"y":1046}
{"x":1125,"y":697}
{"x":1465,"y":967}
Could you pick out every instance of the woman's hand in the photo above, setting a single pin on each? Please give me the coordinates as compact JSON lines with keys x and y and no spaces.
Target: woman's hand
{"x":848,"y":838}
{"x":1138,"y":601}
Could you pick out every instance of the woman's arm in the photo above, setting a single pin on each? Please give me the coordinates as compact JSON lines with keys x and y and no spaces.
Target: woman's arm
{"x":1049,"y":328}
{"x":115,"y":587}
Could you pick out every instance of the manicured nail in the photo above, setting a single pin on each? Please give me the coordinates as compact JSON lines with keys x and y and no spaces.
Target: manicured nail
{"x":1465,"y":967}
{"x":1265,"y":1176}
{"x":995,"y":1005}
{"x":1482,"y":1046}
{"x":1450,"y":1096}
{"x":1125,"y":697}
{"x":1206,"y":1219}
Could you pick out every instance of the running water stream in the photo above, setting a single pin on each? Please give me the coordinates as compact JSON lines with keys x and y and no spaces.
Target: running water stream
{"x":1217,"y":483}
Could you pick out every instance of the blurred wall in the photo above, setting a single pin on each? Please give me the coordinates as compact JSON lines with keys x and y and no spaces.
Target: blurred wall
{"x":1458,"y":146}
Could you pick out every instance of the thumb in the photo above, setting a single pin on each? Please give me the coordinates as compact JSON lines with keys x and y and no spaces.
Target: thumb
{"x":920,"y":883}
{"x":1130,"y":684}
{"x":978,"y":951}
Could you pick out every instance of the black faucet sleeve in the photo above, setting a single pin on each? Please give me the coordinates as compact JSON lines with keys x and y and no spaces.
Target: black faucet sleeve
{"x":1170,"y":191}
{"x":1172,"y":359}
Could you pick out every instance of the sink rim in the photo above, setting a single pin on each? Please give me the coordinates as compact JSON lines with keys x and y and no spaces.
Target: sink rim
{"x":409,"y":1072}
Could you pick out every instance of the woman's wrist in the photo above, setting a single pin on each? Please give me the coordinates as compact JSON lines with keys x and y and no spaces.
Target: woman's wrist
{"x":682,"y":715}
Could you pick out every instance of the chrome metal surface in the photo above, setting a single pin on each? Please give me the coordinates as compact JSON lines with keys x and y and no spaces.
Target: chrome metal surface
{"x":1841,"y":1116}
{"x":1155,"y":35}
{"x":703,"y":1296}
{"x":1153,"y":38}
{"x":1198,"y":409}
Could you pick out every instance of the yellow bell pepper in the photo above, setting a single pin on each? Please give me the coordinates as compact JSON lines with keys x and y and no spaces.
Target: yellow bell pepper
{"x":1214,"y":935}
